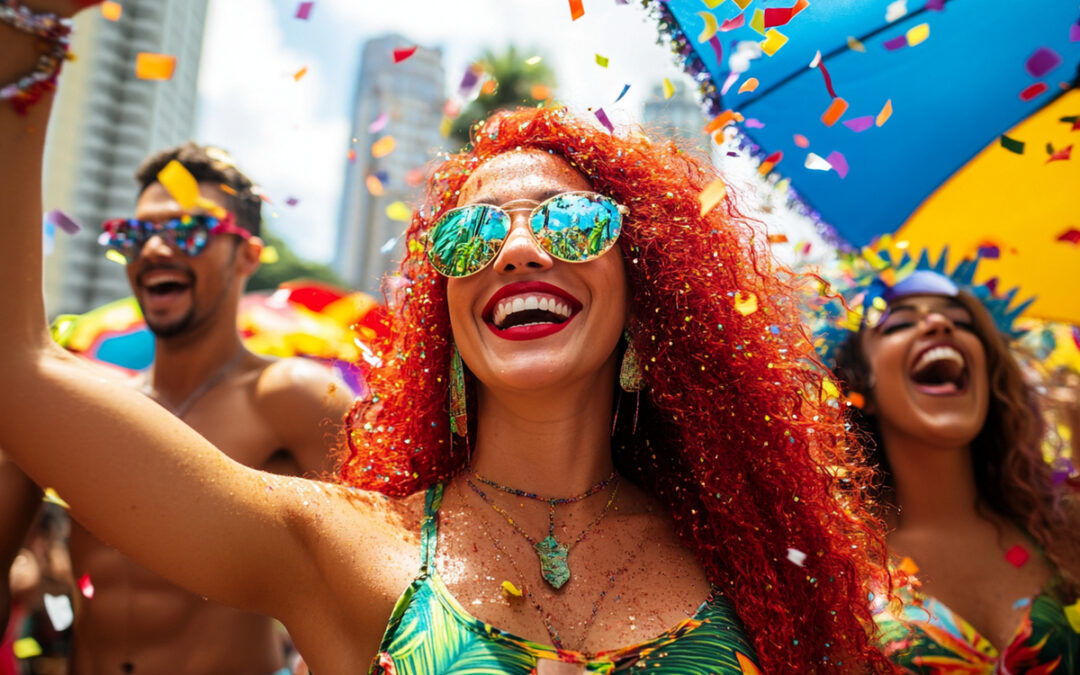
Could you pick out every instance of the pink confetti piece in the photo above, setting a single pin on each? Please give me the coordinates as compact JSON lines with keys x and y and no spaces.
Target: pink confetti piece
{"x":732,"y":24}
{"x":718,"y":50}
{"x":1017,"y":556}
{"x":402,"y":53}
{"x":860,"y":124}
{"x":1074,"y":32}
{"x":896,"y":43}
{"x":379,"y":123}
{"x":292,"y":201}
{"x":86,"y":587}
{"x":801,"y":141}
{"x":754,"y":123}
{"x":1071,"y":235}
{"x":303,"y":12}
{"x":63,"y":221}
{"x":1042,"y":62}
{"x":838,"y":162}
{"x":820,"y":65}
{"x":935,"y":5}
{"x":603,"y":118}
{"x":1033,"y":91}
{"x":732,"y":78}
{"x":626,"y":88}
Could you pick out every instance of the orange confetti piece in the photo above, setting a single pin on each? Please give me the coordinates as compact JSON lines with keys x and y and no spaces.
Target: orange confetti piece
{"x":908,"y":567}
{"x":746,"y":665}
{"x":722,"y":120}
{"x":374,"y":185}
{"x":745,"y":303}
{"x":383,"y":147}
{"x":834,"y":112}
{"x":576,"y":10}
{"x":149,"y":66}
{"x":712,"y":195}
{"x":489,"y":86}
{"x":540,"y":92}
{"x":112,"y":11}
{"x":300,"y":74}
{"x":855,"y":46}
{"x":351,"y":155}
{"x":885,"y":114}
{"x":778,"y":239}
{"x":856,"y":400}
{"x":179,"y":183}
{"x":749,"y":85}
{"x":766,"y":167}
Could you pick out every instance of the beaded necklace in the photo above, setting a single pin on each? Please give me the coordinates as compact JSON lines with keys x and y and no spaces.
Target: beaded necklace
{"x":554,"y":565}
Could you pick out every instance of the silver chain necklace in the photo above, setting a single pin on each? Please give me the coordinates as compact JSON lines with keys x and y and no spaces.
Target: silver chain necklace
{"x":209,"y":383}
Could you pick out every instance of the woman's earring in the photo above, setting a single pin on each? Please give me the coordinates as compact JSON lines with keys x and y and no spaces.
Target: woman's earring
{"x":459,"y":415}
{"x":631,"y":380}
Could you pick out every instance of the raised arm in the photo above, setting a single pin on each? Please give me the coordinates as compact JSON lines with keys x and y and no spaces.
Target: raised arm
{"x":20,"y":499}
{"x":135,"y":475}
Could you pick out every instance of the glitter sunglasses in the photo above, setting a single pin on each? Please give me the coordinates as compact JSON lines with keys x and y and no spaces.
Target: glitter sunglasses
{"x":573,"y":227}
{"x":189,"y":233}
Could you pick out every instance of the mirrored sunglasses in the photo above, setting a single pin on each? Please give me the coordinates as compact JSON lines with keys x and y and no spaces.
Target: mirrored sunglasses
{"x":188,"y":233}
{"x":573,"y":227}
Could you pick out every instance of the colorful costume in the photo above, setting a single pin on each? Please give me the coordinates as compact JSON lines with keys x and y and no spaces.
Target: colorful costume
{"x":431,"y":633}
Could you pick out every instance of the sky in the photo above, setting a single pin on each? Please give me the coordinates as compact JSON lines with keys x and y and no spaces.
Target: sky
{"x":293,"y":136}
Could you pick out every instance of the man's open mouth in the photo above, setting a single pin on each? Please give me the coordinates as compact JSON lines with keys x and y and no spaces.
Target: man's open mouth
{"x":940,"y":370}
{"x":165,"y":283}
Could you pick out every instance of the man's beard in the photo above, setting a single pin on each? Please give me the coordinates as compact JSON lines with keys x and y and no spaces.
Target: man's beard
{"x":173,"y":329}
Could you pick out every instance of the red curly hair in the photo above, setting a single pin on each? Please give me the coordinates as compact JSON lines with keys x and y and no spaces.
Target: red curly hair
{"x":733,"y":432}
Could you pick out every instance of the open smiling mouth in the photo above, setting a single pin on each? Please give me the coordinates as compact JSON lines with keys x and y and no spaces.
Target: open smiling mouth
{"x":529,"y":310}
{"x":162,"y":284}
{"x":940,"y":371}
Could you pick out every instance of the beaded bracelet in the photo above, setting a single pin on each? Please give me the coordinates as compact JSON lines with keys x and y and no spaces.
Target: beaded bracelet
{"x":55,"y":33}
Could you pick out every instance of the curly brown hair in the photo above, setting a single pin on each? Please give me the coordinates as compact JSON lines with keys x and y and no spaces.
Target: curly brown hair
{"x":1011,"y":477}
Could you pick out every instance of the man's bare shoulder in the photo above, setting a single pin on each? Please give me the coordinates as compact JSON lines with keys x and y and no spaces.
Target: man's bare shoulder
{"x":295,"y":381}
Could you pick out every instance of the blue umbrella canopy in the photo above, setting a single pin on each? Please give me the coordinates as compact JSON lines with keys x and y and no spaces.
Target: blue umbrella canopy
{"x":956,"y":75}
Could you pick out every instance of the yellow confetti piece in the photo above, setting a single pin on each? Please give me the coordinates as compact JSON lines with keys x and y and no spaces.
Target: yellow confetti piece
{"x":211,"y":207}
{"x":179,"y":183}
{"x":918,"y":34}
{"x":855,"y":46}
{"x":299,"y":75}
{"x":53,"y":498}
{"x":269,"y":255}
{"x":602,"y":60}
{"x":511,"y":589}
{"x":908,"y":567}
{"x":669,"y":88}
{"x":765,"y":168}
{"x":710,"y":26}
{"x":773,"y":41}
{"x":112,"y":11}
{"x":1072,"y":613}
{"x":885,"y":114}
{"x":743,"y":3}
{"x":853,"y":321}
{"x":758,"y":22}
{"x":745,"y":303}
{"x":115,"y":256}
{"x":828,"y":389}
{"x":374,"y":185}
{"x":383,"y":147}
{"x":713,"y":4}
{"x":446,"y":126}
{"x":533,"y":60}
{"x":712,"y":195}
{"x":749,"y":85}
{"x":26,"y":648}
{"x":150,"y":66}
{"x":398,"y":211}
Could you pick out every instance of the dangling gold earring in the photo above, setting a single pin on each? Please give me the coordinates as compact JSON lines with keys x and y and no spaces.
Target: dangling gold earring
{"x":631,"y":380}
{"x":459,"y":414}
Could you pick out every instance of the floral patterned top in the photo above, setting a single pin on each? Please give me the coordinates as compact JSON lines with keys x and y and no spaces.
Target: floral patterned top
{"x":925,"y":637}
{"x":430,"y":633}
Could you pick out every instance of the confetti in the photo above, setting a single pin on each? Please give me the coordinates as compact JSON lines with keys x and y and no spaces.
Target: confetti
{"x":415,"y":176}
{"x":778,"y":239}
{"x":383,"y":147}
{"x":778,"y":16}
{"x":1071,"y":235}
{"x":1021,"y":603}
{"x":773,"y":41}
{"x":533,"y":60}
{"x":855,"y":400}
{"x":303,"y":12}
{"x":801,"y":141}
{"x":299,"y":75}
{"x":351,"y":155}
{"x":576,"y":10}
{"x":855,"y":46}
{"x":885,"y":114}
{"x":917,"y":34}
{"x":908,"y":567}
{"x":732,"y":24}
{"x":373,"y":185}
{"x":602,"y":61}
{"x":51,"y":497}
{"x":816,"y":163}
{"x":710,"y":26}
{"x":1042,"y":62}
{"x":511,"y":590}
{"x":757,"y":22}
{"x":754,"y":123}
{"x":26,"y":648}
{"x":745,"y":303}
{"x":269,"y":255}
{"x":86,"y":587}
{"x":1034,"y":90}
{"x":389,"y":245}
{"x":796,"y":556}
{"x":935,"y":5}
{"x":718,"y":49}
{"x":834,"y":112}
{"x":112,"y":11}
{"x":540,"y":92}
{"x":402,"y":53}
{"x":895,"y":10}
{"x":379,"y":123}
{"x":712,"y":195}
{"x":669,"y":88}
{"x":398,"y":211}
{"x":625,"y":88}
{"x":742,"y":3}
{"x":713,"y":4}
{"x":722,"y":120}
{"x":860,"y":124}
{"x":292,"y":201}
{"x":603,"y":119}
{"x":446,"y":126}
{"x":149,"y":66}
{"x":1072,"y":613}
{"x":749,"y":85}
{"x":1012,"y":145}
{"x":179,"y":183}
{"x":61,"y":614}
{"x":1060,"y":155}
{"x":820,"y":65}
{"x":898,"y":42}
{"x":1074,"y":32}
{"x":1017,"y":556}
{"x":732,"y":78}
{"x":62,"y":221}
{"x":838,"y":162}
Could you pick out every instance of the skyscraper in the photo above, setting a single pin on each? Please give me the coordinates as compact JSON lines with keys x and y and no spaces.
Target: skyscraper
{"x":679,"y":117}
{"x":411,"y":95}
{"x":105,"y":122}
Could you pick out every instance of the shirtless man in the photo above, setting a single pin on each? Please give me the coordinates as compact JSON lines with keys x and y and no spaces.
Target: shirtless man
{"x":280,"y":416}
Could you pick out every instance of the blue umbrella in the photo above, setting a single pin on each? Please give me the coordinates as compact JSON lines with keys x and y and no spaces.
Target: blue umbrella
{"x":953,"y":91}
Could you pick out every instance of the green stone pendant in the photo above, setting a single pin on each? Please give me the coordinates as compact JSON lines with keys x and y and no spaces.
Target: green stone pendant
{"x":553,"y":565}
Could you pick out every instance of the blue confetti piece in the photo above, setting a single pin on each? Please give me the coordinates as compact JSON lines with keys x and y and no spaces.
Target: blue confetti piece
{"x":1021,"y":603}
{"x":625,"y":88}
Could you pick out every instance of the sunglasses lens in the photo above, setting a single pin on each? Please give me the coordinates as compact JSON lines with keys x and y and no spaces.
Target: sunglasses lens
{"x":126,"y":237}
{"x":192,"y":232}
{"x":464,"y":240}
{"x":577,"y":226}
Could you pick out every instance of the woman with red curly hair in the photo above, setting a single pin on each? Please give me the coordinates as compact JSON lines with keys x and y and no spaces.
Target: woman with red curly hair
{"x":594,"y":444}
{"x":974,"y":510}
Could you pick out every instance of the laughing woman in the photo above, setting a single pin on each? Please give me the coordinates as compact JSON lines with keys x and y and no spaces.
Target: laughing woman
{"x":976,"y":513}
{"x":593,"y":445}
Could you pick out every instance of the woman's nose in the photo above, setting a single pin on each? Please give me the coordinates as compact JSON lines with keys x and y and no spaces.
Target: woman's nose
{"x":520,"y":251}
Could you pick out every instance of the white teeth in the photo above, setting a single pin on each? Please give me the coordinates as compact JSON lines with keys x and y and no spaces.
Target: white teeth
{"x":543,"y":304}
{"x":519,"y":305}
{"x":505,"y":308}
{"x":530,"y":303}
{"x":942,"y":353}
